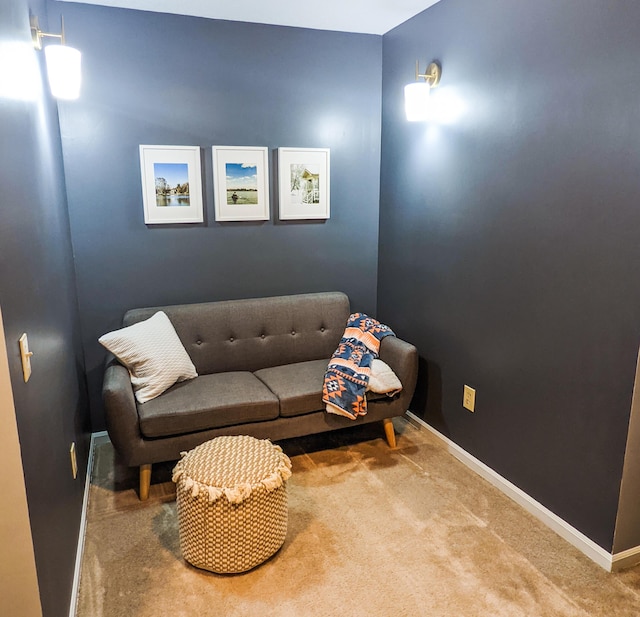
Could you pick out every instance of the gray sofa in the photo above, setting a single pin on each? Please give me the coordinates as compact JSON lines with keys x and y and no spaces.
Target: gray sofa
{"x":260,"y":365}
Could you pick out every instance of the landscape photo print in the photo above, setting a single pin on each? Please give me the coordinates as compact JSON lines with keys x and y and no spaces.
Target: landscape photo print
{"x":241,"y":183}
{"x":303,"y":183}
{"x":171,"y":184}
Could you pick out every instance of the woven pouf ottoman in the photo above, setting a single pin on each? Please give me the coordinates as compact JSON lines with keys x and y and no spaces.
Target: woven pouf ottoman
{"x":232,"y":503}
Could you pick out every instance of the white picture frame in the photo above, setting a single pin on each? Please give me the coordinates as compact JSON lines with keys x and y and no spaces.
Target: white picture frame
{"x":304,"y":183}
{"x":241,"y":183}
{"x":171,"y":184}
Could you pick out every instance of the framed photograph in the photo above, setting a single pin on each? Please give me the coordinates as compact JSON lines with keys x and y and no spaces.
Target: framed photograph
{"x":241,"y":183}
{"x":303,"y":183}
{"x":171,"y":184}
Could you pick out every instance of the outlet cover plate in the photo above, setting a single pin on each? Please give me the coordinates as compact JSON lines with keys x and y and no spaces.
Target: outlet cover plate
{"x":469,"y":398}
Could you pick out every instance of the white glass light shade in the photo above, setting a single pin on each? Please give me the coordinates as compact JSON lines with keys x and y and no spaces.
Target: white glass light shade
{"x":63,"y":69}
{"x":416,"y":101}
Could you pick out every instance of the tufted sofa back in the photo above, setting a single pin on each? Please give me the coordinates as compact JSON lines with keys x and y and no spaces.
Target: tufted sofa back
{"x":248,"y":335}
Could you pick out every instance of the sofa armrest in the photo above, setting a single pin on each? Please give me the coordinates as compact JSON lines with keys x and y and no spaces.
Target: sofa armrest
{"x":402,"y":357}
{"x":121,"y":411}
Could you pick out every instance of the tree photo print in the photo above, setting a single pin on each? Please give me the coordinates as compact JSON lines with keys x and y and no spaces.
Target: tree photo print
{"x":172,"y":184}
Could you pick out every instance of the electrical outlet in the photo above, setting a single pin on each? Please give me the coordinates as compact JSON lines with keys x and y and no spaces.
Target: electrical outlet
{"x":469,"y":398}
{"x":74,"y":460}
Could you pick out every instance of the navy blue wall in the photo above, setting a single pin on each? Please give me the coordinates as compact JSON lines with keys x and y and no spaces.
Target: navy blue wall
{"x":37,"y":294}
{"x":509,"y":248}
{"x":164,"y":79}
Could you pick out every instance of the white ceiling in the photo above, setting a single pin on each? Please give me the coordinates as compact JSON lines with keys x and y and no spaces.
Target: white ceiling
{"x":366,"y":16}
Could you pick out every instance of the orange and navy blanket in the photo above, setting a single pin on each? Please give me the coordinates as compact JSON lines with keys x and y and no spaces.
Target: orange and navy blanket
{"x":347,"y":376}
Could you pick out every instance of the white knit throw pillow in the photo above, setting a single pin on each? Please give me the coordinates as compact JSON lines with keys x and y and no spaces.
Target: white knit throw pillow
{"x":383,"y":380}
{"x":153,"y":353}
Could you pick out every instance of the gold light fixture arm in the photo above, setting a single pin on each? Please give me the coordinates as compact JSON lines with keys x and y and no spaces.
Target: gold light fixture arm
{"x":431,"y":75}
{"x":37,"y":34}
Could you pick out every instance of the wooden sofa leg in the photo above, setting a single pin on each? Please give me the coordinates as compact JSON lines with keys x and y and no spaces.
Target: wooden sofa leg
{"x":389,"y":432}
{"x":145,"y":481}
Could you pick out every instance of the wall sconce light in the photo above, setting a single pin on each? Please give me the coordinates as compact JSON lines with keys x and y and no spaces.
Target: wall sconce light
{"x":416,"y":94}
{"x":63,"y":62}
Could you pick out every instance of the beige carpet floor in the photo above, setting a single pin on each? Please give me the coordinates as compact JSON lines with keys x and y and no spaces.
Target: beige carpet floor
{"x":372,"y":531}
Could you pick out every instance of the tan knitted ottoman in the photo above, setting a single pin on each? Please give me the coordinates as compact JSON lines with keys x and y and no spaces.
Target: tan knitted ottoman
{"x":232,"y":503}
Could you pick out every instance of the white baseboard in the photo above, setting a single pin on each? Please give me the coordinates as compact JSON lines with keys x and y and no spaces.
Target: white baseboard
{"x":576,"y":538}
{"x":626,"y":559}
{"x":83,"y":524}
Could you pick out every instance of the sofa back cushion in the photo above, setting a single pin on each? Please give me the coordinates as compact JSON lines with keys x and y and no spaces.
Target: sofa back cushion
{"x":249,"y":335}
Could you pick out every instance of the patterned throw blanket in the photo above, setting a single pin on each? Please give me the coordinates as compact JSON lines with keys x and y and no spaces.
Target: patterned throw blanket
{"x":347,"y":376}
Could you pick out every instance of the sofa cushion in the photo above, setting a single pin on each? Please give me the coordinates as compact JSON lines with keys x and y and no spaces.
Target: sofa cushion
{"x":153,"y":353}
{"x":298,"y":386}
{"x":208,"y":401}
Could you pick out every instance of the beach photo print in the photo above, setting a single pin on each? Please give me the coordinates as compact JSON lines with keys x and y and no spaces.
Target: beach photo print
{"x":241,"y":183}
